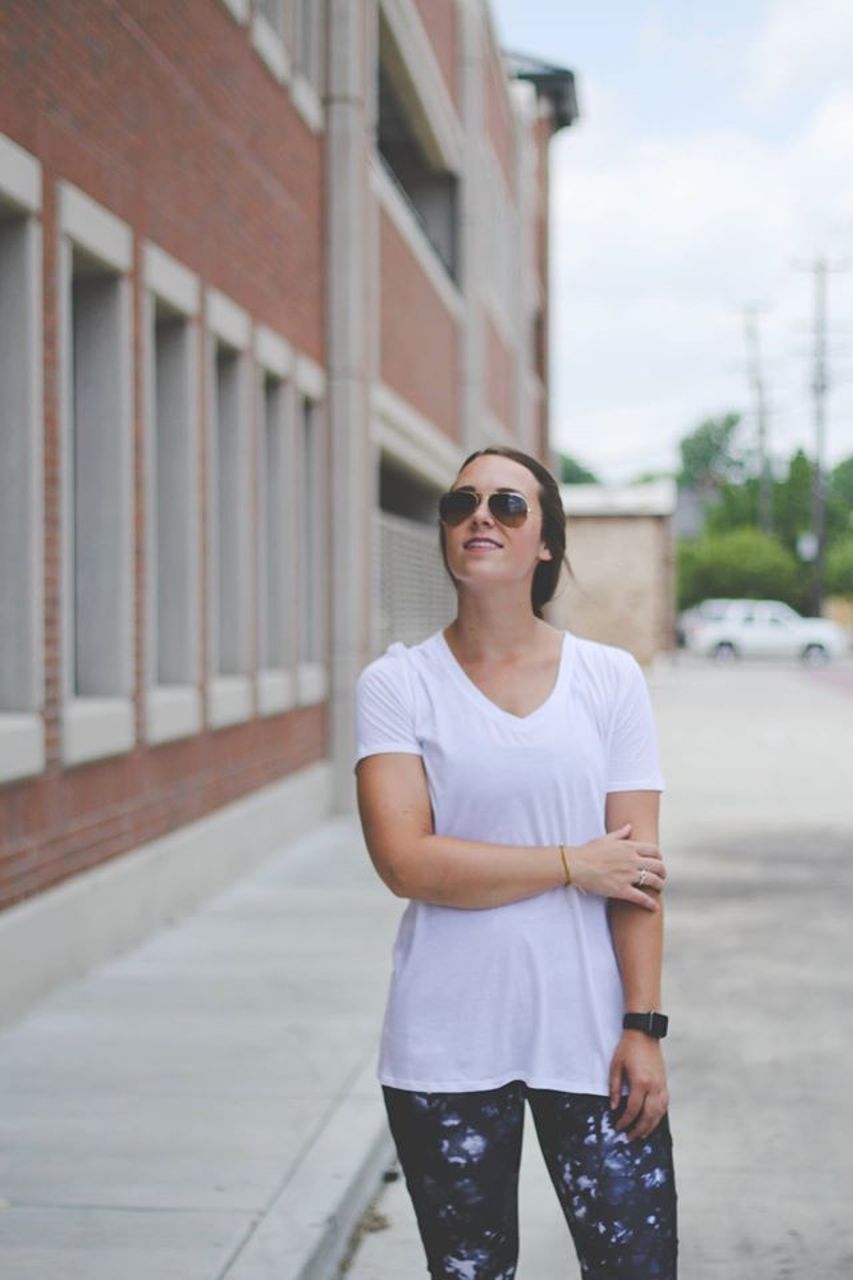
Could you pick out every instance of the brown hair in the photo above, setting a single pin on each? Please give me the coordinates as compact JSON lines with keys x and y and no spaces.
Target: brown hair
{"x":547,"y":572}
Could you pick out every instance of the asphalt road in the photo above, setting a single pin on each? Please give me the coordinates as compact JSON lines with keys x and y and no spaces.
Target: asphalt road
{"x":757,"y":829}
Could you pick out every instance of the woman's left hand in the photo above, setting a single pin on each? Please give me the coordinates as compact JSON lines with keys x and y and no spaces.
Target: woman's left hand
{"x":638,"y":1062}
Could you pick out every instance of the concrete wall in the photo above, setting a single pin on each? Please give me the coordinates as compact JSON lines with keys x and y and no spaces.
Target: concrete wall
{"x":623,"y":588}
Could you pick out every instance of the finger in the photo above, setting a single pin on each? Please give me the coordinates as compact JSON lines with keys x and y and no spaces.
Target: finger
{"x":633,"y":1108}
{"x":621,"y":832}
{"x":648,"y":1121}
{"x":615,"y":1083}
{"x":640,"y":899}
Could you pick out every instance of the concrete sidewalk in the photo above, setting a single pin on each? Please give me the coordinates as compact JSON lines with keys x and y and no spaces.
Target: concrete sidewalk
{"x":757,"y":829}
{"x":204,"y":1106}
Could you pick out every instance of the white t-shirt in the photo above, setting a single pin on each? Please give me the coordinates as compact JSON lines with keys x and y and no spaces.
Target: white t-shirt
{"x":529,"y":990}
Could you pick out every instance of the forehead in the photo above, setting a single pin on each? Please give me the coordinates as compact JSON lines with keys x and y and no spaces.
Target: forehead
{"x":491,"y":471}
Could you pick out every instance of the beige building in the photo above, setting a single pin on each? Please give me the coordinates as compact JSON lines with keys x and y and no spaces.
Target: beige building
{"x":621,"y":548}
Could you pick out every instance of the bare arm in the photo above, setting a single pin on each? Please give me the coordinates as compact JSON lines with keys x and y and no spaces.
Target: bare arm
{"x":638,"y":942}
{"x":414,"y":862}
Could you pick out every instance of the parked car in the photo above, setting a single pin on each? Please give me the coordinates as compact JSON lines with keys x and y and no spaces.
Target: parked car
{"x":689,"y":619}
{"x":729,"y":629}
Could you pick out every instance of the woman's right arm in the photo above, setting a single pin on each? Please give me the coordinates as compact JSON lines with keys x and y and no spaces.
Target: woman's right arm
{"x":414,"y":862}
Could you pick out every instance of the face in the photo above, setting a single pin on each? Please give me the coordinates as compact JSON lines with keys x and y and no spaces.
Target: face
{"x":481,"y":549}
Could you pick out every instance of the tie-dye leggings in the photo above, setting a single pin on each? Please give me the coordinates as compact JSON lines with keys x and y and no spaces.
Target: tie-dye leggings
{"x":460,"y":1154}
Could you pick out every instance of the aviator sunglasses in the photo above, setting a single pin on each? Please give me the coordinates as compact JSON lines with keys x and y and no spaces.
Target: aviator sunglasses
{"x":509,"y":508}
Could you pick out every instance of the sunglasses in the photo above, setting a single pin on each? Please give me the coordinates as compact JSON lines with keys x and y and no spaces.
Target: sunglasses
{"x":508,"y":508}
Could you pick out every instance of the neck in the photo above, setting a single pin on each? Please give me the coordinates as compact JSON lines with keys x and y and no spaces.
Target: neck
{"x":498,"y":626}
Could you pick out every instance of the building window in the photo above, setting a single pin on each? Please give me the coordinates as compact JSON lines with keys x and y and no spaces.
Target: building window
{"x":313,"y":544}
{"x":230,"y":508}
{"x":430,"y":190}
{"x":277,"y":529}
{"x":97,"y":478}
{"x":268,"y":36}
{"x":274,"y":542}
{"x":307,"y":85}
{"x":308,"y":19}
{"x":21,"y":661}
{"x":272,"y":12}
{"x":171,"y":486}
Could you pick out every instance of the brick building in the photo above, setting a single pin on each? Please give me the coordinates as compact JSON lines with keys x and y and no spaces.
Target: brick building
{"x":268,"y":270}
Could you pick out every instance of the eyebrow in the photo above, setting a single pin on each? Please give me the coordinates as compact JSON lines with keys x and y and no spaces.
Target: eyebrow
{"x":470,"y":488}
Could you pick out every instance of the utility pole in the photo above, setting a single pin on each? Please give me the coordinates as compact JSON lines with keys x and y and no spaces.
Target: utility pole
{"x":765,"y":514}
{"x":819,"y":390}
{"x":820,"y":269}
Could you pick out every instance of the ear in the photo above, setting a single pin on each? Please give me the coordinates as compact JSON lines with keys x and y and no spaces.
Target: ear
{"x":545,"y":553}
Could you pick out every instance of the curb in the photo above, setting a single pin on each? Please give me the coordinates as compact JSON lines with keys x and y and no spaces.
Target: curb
{"x":305,"y":1232}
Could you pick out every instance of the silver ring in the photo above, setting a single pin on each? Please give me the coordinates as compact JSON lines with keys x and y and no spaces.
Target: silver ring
{"x":642,"y":879}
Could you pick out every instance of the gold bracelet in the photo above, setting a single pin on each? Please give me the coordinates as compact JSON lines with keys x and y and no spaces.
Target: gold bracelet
{"x":565,"y":865}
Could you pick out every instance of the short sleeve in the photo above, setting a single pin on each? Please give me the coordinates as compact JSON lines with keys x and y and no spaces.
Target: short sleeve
{"x":384,"y":711}
{"x":632,"y":759}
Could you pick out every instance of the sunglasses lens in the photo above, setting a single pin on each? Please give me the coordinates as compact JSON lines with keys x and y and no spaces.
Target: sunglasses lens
{"x":509,"y":508}
{"x":456,"y":506}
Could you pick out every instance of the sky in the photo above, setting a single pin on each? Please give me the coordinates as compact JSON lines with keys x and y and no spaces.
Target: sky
{"x":711,"y":166}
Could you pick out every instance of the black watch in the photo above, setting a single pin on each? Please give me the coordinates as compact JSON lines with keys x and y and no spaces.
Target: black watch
{"x":654,"y":1024}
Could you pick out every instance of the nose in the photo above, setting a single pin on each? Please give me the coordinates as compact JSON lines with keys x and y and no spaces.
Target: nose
{"x":481,"y":511}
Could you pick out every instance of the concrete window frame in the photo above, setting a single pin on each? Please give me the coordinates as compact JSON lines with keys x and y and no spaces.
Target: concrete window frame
{"x":171,"y":308}
{"x":101,"y":721}
{"x":275,"y":540}
{"x":239,"y":10}
{"x":312,"y":674}
{"x":309,"y":40}
{"x":269,"y":38}
{"x":228,"y":422}
{"x":22,"y":745}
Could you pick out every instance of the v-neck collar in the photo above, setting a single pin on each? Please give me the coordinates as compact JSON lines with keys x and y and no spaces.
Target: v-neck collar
{"x":465,"y":682}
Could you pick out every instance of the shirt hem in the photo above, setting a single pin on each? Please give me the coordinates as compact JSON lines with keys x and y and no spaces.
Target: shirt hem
{"x":637,"y":784}
{"x":379,"y":748}
{"x":531,"y":1079}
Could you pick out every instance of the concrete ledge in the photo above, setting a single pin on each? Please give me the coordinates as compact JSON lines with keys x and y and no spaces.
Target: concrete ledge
{"x":65,"y":931}
{"x":305,"y":1233}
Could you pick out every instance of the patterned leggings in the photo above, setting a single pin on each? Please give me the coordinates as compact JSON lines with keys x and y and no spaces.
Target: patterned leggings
{"x":460,"y":1153}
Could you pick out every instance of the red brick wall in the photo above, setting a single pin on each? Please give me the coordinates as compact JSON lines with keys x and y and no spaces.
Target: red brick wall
{"x":419,"y":341}
{"x":441,"y":20}
{"x":165,"y":115}
{"x":500,"y":374}
{"x":63,"y":822}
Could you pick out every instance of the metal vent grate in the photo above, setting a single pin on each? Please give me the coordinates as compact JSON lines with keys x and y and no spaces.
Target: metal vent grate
{"x":415,"y":595}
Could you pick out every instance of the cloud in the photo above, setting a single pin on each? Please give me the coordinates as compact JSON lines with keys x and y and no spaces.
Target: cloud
{"x":799,"y":48}
{"x":659,"y":241}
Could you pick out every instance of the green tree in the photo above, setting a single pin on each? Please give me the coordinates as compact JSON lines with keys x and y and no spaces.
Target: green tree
{"x":839,"y":567}
{"x":736,"y":507}
{"x":574,"y":472}
{"x":841,"y":484}
{"x":793,"y":500}
{"x":740,"y":562}
{"x":710,"y":456}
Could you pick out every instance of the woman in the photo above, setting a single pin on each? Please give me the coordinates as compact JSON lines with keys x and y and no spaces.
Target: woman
{"x":508,"y":785}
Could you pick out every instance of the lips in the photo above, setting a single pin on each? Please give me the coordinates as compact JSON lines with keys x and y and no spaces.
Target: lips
{"x":481,"y":542}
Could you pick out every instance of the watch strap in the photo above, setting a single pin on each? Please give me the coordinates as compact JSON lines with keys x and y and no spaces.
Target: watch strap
{"x":653,"y":1023}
